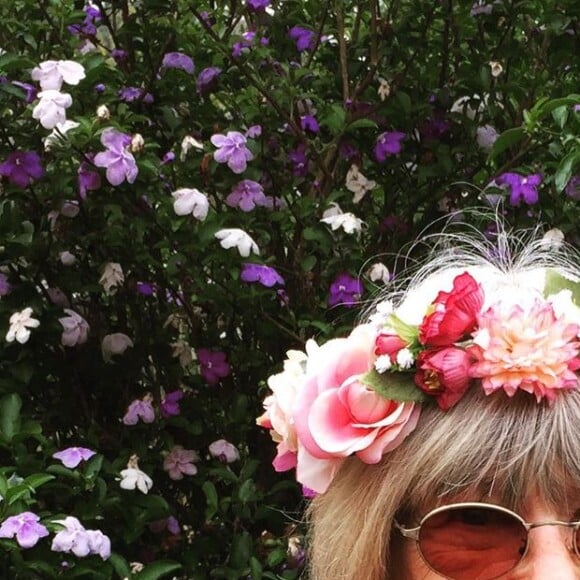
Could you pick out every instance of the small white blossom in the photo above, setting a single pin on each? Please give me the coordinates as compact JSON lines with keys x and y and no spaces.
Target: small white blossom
{"x":486,"y":137}
{"x":112,"y":277}
{"x":236,"y":238}
{"x":66,"y":258}
{"x":137,"y":143}
{"x":103,"y":113}
{"x":183,"y":351}
{"x":382,"y":313}
{"x":383,"y":363}
{"x":56,"y":137}
{"x":190,"y":201}
{"x":116,"y":343}
{"x":337,"y":219}
{"x":51,"y":109}
{"x":463,"y":106}
{"x":358,"y":183}
{"x":553,"y":238}
{"x":405,"y":358}
{"x":134,"y":478}
{"x":52,"y":73}
{"x":188,"y":143}
{"x":379,"y":273}
{"x":496,"y":68}
{"x":384,"y":89}
{"x":20,"y":322}
{"x":75,"y":329}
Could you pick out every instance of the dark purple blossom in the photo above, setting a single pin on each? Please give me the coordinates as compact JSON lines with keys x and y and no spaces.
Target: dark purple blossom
{"x":213,"y":365}
{"x":170,"y":524}
{"x":100,"y":88}
{"x":207,"y":80}
{"x":30,"y":91}
{"x":22,"y":168}
{"x":573,"y":188}
{"x":169,"y":157}
{"x":243,"y":45}
{"x":131,"y":94}
{"x":265,"y":275}
{"x":435,"y":127}
{"x":246,"y":195}
{"x":304,"y":38}
{"x":88,"y":179}
{"x":117,"y":158}
{"x":5,"y":286}
{"x":258,"y":5}
{"x":119,"y":54}
{"x":347,"y":151}
{"x":388,"y":143}
{"x":299,"y":161}
{"x":309,"y":123}
{"x":178,"y":60}
{"x":170,"y":404}
{"x":345,"y":290}
{"x":522,"y":187}
{"x":146,"y":288}
{"x":88,"y":26}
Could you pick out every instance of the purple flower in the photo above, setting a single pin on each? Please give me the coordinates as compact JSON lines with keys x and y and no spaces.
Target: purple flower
{"x":88,"y":180}
{"x":87,"y":27}
{"x":309,"y":123}
{"x":22,"y":168}
{"x":169,"y":157}
{"x":480,"y":7}
{"x":170,"y":404}
{"x":224,"y":451}
{"x":29,"y":90}
{"x":435,"y":127}
{"x":257,"y":5}
{"x":119,"y":54}
{"x":213,"y":365}
{"x":239,"y":47}
{"x":118,"y":160}
{"x":131,"y":94}
{"x":305,"y":39}
{"x":572,"y":191}
{"x":72,"y":456}
{"x":75,"y":539}
{"x":308,"y":493}
{"x":178,"y":60}
{"x":345,"y":290}
{"x":100,"y":88}
{"x":170,"y":524}
{"x":246,"y":195}
{"x":207,"y":80}
{"x":145,"y":288}
{"x":347,"y":151}
{"x":139,"y":409}
{"x":232,"y":150}
{"x":299,"y":161}
{"x":522,"y":187}
{"x":5,"y":286}
{"x":388,"y":143}
{"x":265,"y":275}
{"x":25,"y":527}
{"x":254,"y":131}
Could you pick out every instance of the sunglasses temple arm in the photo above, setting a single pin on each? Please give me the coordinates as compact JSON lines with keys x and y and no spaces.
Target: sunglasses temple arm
{"x":412,"y":533}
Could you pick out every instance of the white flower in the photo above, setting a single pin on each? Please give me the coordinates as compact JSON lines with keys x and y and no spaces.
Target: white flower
{"x":236,"y":238}
{"x":75,"y":329}
{"x":382,"y":313}
{"x":384,"y":89}
{"x":20,"y":322}
{"x":335,"y":218}
{"x":379,"y":273}
{"x":183,"y":351}
{"x":66,"y":258}
{"x":116,"y":343}
{"x":103,"y":113}
{"x":112,"y":277}
{"x":486,"y":137}
{"x":564,"y":306}
{"x":190,"y":201}
{"x":188,"y":143}
{"x":405,"y":358}
{"x":137,"y":143}
{"x":496,"y":68}
{"x":51,"y":109}
{"x":52,"y":73}
{"x":358,"y":183}
{"x":383,"y":363}
{"x":57,"y":134}
{"x":134,"y":478}
{"x":463,"y":106}
{"x":553,"y":238}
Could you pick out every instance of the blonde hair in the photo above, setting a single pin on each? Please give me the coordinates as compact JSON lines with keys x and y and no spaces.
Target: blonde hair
{"x":485,"y":445}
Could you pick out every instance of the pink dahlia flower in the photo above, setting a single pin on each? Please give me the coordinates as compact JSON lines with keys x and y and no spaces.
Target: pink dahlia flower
{"x":529,"y":349}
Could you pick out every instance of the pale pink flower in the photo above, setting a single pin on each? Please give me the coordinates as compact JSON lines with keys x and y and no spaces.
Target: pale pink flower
{"x":530,"y":349}
{"x":75,"y":329}
{"x":180,"y":462}
{"x":224,"y":451}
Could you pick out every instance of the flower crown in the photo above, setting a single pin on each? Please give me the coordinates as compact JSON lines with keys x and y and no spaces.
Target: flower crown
{"x":363,"y":394}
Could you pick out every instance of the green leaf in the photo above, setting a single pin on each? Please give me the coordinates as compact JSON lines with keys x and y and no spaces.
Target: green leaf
{"x":362,"y":124}
{"x":157,"y":570}
{"x":37,"y":479}
{"x":10,"y":406}
{"x":120,"y":565}
{"x":241,"y":550}
{"x":506,"y":140}
{"x":560,"y":115}
{"x":395,"y":386}
{"x":247,"y":491}
{"x":555,"y":282}
{"x":211,"y":499}
{"x":564,"y":171}
{"x":406,"y":332}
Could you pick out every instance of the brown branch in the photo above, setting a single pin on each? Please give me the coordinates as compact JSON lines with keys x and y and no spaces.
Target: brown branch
{"x":342,"y":50}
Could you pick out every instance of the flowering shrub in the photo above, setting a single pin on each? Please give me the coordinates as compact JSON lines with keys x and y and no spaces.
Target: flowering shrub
{"x":190,"y":189}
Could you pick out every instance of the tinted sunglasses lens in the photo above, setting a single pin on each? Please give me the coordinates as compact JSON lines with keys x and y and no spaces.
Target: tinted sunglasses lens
{"x":472,"y":543}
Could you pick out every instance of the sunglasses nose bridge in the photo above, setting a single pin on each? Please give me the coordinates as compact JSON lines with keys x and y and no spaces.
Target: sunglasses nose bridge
{"x":573,"y":526}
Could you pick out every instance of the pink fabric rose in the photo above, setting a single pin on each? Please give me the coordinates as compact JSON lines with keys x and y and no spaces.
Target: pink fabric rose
{"x":336,"y":415}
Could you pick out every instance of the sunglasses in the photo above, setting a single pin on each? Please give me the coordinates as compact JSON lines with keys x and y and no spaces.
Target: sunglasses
{"x":476,"y":541}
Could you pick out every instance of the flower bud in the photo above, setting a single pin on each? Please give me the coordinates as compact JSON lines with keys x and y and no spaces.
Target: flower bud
{"x":137,"y":143}
{"x":103,"y":113}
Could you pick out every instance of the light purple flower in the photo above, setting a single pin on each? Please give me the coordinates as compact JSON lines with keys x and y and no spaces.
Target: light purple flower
{"x":29,"y":90}
{"x":224,"y":451}
{"x":75,"y":329}
{"x":118,"y":159}
{"x":304,"y":38}
{"x":572,"y":191}
{"x":139,"y":409}
{"x":388,"y":143}
{"x":25,"y":528}
{"x":213,"y":365}
{"x":246,"y":195}
{"x":258,"y":5}
{"x":72,"y":456}
{"x":254,"y":131}
{"x":480,"y":7}
{"x":232,"y":150}
{"x":345,"y":290}
{"x":170,"y":404}
{"x":265,"y":275}
{"x":180,"y":462}
{"x":207,"y":80}
{"x":22,"y":168}
{"x":522,"y":187}
{"x":132,"y":94}
{"x":87,"y":179}
{"x":77,"y":540}
{"x":178,"y":60}
{"x":99,"y":544}
{"x":5,"y":286}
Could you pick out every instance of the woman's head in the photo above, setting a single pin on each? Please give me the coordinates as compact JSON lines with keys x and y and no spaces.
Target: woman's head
{"x":460,"y":386}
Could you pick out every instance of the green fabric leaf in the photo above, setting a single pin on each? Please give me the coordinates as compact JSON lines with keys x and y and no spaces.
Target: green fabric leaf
{"x":395,"y":386}
{"x":407,"y":332}
{"x":555,"y":282}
